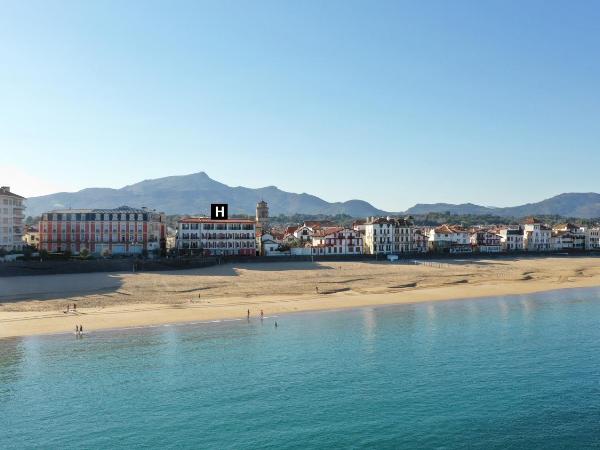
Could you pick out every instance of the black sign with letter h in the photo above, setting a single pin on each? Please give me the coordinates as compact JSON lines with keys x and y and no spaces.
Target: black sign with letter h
{"x":218,"y":211}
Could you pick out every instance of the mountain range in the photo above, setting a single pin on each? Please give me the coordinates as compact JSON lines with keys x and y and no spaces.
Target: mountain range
{"x":192,"y":194}
{"x":583,"y":205}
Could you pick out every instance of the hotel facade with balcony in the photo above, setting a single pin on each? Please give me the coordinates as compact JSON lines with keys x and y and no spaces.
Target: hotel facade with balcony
{"x":12,"y":207}
{"x":104,"y":232}
{"x":388,"y":235}
{"x":204,"y":236}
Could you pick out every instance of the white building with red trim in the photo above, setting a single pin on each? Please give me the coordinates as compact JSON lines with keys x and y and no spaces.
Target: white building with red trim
{"x":202,"y":235}
{"x":337,"y":241}
{"x":122,"y":230}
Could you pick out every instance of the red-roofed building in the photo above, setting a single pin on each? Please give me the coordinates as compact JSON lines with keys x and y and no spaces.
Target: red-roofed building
{"x":450,"y":239}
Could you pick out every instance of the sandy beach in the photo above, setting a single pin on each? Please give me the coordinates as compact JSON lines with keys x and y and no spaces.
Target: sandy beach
{"x":37,"y":304}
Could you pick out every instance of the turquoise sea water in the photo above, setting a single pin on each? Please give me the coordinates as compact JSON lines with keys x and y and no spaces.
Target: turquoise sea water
{"x":518,"y":372}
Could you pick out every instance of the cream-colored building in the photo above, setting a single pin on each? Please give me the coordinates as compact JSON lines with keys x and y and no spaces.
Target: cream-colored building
{"x":31,"y":237}
{"x":536,"y":236}
{"x":12,"y":207}
{"x":592,"y":238}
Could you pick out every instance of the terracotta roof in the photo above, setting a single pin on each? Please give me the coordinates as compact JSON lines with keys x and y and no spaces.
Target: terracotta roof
{"x":319,"y":223}
{"x":531,"y":221}
{"x":290,"y":230}
{"x":329,"y":230}
{"x":449,"y":229}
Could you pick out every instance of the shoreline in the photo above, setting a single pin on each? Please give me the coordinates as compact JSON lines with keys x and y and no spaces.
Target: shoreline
{"x":15,"y":324}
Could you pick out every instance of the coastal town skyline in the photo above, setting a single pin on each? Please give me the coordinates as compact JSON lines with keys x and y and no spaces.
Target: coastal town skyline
{"x":343,"y":100}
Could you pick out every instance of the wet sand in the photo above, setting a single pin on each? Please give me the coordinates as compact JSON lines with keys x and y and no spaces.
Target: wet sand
{"x":37,"y":304}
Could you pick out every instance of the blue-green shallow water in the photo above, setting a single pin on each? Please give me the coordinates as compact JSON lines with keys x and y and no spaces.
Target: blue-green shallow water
{"x":518,"y":372}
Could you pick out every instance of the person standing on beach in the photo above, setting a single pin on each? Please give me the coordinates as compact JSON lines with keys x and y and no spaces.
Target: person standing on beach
{"x":76,"y":330}
{"x":74,"y":307}
{"x":80,"y":329}
{"x":317,"y":289}
{"x":262,"y":314}
{"x":248,"y":317}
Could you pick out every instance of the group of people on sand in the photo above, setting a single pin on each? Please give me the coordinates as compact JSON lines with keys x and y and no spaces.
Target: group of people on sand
{"x":78,"y":330}
{"x":69,"y":308}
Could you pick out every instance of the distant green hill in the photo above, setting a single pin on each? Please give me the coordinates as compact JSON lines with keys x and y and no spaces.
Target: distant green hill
{"x":583,"y":205}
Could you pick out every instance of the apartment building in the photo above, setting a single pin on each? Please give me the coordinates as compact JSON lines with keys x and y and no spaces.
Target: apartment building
{"x":12,"y":207}
{"x":337,"y":241}
{"x":575,"y":233}
{"x":202,"y":235}
{"x":536,"y":236}
{"x":118,"y":231}
{"x":592,"y":238}
{"x":511,"y":239}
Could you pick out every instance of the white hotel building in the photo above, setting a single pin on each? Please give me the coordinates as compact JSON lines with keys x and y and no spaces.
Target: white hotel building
{"x":11,"y":219}
{"x":204,"y":236}
{"x":388,"y":235}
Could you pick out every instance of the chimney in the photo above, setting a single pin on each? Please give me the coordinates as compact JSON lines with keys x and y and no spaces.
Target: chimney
{"x":5,"y":189}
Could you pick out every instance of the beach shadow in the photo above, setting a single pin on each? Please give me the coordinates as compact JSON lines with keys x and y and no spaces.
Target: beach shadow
{"x":219,"y":270}
{"x":285,"y":265}
{"x":51,"y":287}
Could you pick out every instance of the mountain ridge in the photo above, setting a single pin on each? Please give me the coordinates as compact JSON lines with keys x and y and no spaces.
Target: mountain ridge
{"x":193,"y":194}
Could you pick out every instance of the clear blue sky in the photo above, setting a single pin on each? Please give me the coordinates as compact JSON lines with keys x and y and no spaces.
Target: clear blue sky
{"x":494,"y":102}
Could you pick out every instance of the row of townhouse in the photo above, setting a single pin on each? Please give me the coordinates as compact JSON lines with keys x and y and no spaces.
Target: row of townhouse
{"x":394,"y":236}
{"x":389,"y":236}
{"x":127,"y":230}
